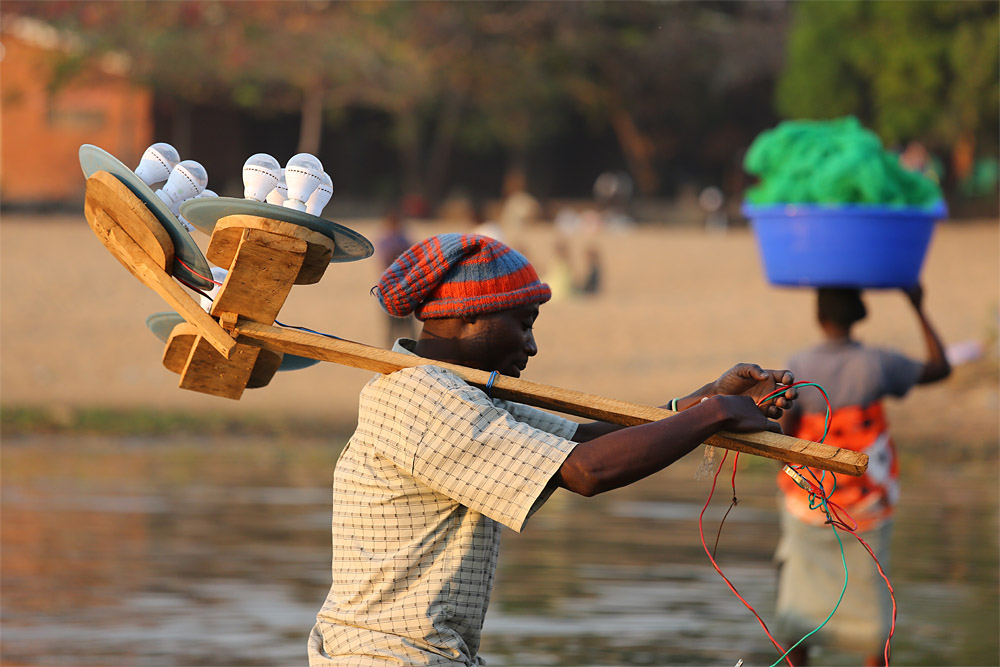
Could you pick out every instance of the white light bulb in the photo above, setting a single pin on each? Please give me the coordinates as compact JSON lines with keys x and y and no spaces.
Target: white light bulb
{"x":219,"y":276}
{"x":188,"y":179}
{"x":204,"y":193}
{"x":260,"y":175}
{"x":279,"y":194}
{"x":156,"y":163}
{"x":303,"y":174}
{"x":320,"y":196}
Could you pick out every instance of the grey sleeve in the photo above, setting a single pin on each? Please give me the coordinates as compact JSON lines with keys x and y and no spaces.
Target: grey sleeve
{"x":899,"y":372}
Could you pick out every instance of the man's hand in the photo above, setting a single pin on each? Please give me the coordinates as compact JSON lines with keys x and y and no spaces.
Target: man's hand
{"x":755,"y":382}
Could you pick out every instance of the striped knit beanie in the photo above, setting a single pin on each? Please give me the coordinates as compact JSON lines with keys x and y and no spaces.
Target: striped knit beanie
{"x":455,"y":275}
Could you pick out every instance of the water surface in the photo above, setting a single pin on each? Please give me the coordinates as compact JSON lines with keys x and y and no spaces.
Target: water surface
{"x":215,"y":551}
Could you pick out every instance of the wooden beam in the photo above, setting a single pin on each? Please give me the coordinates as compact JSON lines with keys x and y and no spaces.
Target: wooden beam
{"x":145,"y":269}
{"x":764,"y":443}
{"x":228,"y":234}
{"x":207,"y":371}
{"x":108,"y":194}
{"x":261,"y":274}
{"x":177,"y":353}
{"x":137,"y":239}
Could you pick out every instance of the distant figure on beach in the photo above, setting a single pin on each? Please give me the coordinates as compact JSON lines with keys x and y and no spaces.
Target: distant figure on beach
{"x":712,"y":202}
{"x":811,"y":573}
{"x":483,"y":224}
{"x":559,"y":274}
{"x":393,"y":241}
{"x":612,"y":192}
{"x":591,"y":283}
{"x":519,"y":211}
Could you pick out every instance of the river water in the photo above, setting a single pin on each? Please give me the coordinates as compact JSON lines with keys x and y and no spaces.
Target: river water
{"x":214,"y":550}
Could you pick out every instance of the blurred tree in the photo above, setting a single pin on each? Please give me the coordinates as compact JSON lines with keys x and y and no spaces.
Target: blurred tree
{"x":482,"y":76}
{"x":659,"y":75}
{"x":910,"y":70}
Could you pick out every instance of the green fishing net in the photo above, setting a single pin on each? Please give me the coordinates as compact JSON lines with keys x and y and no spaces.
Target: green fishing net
{"x":831,"y":162}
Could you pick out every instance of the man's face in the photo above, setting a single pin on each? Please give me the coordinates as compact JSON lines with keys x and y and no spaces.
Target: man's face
{"x":501,"y":341}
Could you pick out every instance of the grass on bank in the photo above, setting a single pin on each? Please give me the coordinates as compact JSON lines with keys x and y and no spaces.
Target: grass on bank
{"x":38,"y":420}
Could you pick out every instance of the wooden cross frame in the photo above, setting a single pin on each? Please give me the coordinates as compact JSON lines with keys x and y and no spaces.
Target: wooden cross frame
{"x":235,"y":347}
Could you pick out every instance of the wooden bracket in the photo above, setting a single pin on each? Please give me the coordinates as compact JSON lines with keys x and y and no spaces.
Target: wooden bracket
{"x":228,"y":320}
{"x":229,"y":235}
{"x":207,"y":371}
{"x":178,"y":352}
{"x":264,"y":259}
{"x":117,"y":217}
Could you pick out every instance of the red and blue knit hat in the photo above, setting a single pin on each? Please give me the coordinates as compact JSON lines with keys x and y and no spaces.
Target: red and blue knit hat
{"x":456,"y":275}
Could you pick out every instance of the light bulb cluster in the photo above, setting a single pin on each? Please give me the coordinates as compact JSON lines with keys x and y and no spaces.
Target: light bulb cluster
{"x":302,"y":184}
{"x":175,"y":180}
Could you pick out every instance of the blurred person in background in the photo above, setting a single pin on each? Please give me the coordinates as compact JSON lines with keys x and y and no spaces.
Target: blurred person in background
{"x":391,"y":242}
{"x":856,"y":378}
{"x":559,"y":274}
{"x":519,"y":211}
{"x":613,"y":192}
{"x":482,"y":223}
{"x":591,"y":283}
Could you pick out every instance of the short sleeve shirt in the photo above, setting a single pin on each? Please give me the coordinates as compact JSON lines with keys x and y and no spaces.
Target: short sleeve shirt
{"x":855,"y":377}
{"x":421,"y":491}
{"x":852,"y":374}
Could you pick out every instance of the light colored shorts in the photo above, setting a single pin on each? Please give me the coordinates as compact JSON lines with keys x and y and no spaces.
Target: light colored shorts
{"x":811,"y":577}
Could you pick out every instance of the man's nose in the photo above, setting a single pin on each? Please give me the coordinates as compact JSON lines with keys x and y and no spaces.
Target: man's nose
{"x":529,"y":344}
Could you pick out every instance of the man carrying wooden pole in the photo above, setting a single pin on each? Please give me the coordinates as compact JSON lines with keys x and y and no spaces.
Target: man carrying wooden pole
{"x":438,"y":465}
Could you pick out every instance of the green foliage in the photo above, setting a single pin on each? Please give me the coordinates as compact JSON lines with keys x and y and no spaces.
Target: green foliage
{"x":909,"y":69}
{"x":831,"y":162}
{"x":26,"y":420}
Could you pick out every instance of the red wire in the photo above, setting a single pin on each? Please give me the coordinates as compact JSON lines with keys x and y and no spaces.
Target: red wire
{"x":184,"y":264}
{"x":701,"y":532}
{"x":853,"y":531}
{"x":786,"y":387}
{"x":892,"y":595}
{"x":835,"y":519}
{"x":735,"y":461}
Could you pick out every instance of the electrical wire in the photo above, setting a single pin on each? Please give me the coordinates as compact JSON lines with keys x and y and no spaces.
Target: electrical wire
{"x":819,"y":498}
{"x":701,"y":531}
{"x":184,"y":264}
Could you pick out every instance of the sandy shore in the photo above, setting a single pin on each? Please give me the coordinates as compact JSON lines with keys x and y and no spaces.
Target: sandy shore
{"x":678,"y":307}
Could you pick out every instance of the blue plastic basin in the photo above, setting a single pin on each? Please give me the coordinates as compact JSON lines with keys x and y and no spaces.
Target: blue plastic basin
{"x":853,"y":245}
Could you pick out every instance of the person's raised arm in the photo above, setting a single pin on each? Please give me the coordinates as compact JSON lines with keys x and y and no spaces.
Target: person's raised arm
{"x":626,"y":455}
{"x":936,"y":367}
{"x":740,"y":380}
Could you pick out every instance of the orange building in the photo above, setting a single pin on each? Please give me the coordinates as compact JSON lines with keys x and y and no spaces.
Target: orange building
{"x":41,"y":131}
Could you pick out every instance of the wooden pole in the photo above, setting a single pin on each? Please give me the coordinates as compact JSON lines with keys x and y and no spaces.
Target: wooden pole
{"x":347,"y":353}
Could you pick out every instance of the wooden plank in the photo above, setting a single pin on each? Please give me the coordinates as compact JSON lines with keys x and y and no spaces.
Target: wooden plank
{"x":262,"y":273}
{"x":209,"y":372}
{"x":178,"y":347}
{"x":106,"y":193}
{"x":264,"y":368}
{"x":134,"y":258}
{"x":770,"y":445}
{"x":178,"y":350}
{"x":229,"y":231}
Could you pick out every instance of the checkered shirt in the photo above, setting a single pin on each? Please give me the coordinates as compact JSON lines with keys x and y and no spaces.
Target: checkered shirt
{"x":419,"y":496}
